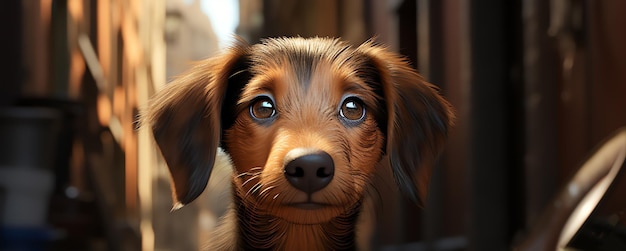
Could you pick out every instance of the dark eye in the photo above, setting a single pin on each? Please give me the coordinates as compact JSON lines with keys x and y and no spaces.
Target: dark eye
{"x":262,"y":108}
{"x":352,"y":109}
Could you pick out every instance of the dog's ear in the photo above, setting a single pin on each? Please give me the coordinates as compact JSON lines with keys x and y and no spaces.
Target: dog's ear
{"x":186,"y":119}
{"x":418,"y":119}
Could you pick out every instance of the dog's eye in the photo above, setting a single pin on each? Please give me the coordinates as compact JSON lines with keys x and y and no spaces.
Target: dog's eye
{"x":352,"y":109}
{"x":262,"y":108}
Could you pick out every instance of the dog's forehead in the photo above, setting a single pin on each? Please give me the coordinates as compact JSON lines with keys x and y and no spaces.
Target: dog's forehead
{"x":303,"y":68}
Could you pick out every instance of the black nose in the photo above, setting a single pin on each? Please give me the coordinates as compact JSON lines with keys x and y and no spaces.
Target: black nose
{"x":311,"y":172}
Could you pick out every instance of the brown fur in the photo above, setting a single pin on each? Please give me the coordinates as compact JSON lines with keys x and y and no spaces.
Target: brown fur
{"x":404,"y":129}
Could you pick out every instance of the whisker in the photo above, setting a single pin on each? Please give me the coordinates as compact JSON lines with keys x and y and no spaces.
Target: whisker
{"x":250,"y":172}
{"x":253,"y":189}
{"x":250,"y":179}
{"x":255,"y":169}
{"x":256,"y":188}
{"x":266,"y":189}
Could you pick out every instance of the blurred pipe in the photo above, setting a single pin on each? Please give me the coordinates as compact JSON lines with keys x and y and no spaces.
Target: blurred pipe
{"x":540,"y":90}
{"x":423,"y":37}
{"x":91,"y":58}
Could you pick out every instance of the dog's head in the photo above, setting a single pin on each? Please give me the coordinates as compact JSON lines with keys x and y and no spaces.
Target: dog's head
{"x":306,"y":122}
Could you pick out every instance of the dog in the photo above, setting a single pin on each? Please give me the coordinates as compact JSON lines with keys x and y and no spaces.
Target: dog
{"x":307,"y":124}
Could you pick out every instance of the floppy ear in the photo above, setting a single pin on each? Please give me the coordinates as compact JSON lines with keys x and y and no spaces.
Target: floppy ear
{"x":418,"y":119}
{"x":186,"y":119}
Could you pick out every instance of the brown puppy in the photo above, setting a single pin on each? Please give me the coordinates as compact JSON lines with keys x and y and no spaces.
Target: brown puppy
{"x":307,"y":124}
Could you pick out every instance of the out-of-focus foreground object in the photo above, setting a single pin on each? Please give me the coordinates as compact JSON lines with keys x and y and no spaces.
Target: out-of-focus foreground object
{"x":590,"y":211}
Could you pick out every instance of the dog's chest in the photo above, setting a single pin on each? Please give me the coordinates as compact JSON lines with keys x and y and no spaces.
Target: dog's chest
{"x":263,"y":232}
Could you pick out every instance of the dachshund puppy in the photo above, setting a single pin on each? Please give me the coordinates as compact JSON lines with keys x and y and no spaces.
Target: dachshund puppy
{"x":307,"y":124}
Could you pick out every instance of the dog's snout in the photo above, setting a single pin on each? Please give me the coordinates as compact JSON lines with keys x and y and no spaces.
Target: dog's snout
{"x":311,"y":172}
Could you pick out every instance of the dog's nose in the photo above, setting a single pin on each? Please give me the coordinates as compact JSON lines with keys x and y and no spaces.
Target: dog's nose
{"x":311,"y":172}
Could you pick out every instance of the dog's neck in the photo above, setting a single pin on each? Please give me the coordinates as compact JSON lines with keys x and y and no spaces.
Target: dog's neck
{"x":261,"y":231}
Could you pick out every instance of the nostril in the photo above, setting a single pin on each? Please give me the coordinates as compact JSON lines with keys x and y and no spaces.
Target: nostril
{"x":296,"y":172}
{"x":323,"y":173}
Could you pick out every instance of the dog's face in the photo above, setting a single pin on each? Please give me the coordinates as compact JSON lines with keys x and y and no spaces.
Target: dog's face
{"x":306,"y":123}
{"x":305,"y":137}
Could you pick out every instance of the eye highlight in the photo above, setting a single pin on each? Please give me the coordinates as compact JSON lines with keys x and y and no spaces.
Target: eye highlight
{"x":262,"y":108}
{"x":352,"y":110}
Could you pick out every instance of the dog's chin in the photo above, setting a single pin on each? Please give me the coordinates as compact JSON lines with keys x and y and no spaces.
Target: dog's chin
{"x":308,"y":213}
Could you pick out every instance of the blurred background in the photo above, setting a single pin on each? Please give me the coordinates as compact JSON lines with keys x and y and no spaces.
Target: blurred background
{"x":536,"y":84}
